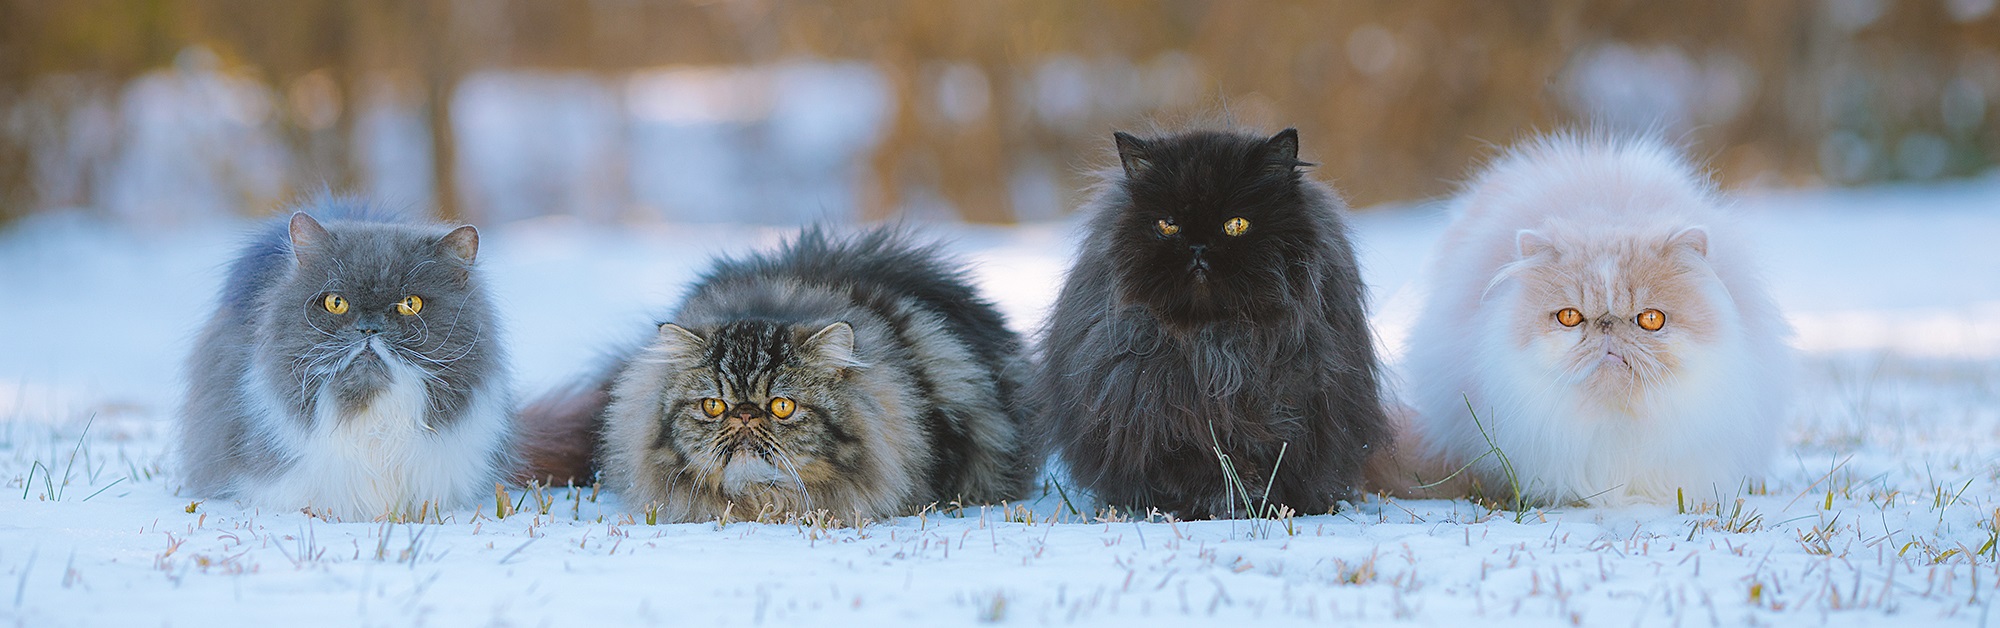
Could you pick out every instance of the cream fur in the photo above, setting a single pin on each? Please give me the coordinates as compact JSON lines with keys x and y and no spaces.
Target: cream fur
{"x":1603,"y":225}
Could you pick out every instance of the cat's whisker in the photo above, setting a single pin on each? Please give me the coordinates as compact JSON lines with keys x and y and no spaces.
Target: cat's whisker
{"x":785,"y":458}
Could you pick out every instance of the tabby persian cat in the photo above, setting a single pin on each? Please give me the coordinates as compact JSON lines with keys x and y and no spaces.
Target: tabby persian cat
{"x":1592,"y":307}
{"x":352,"y":368}
{"x":1216,"y":304}
{"x":860,"y":376}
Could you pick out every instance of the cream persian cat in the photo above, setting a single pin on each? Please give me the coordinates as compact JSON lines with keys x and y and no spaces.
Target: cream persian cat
{"x":1592,"y":306}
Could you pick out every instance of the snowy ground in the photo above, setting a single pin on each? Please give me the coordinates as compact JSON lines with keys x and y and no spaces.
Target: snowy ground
{"x":1883,"y":509}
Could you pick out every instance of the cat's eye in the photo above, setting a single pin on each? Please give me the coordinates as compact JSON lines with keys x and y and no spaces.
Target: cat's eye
{"x":410,"y":305}
{"x":714,"y":407}
{"x":334,"y":304}
{"x":1569,"y":317}
{"x":1167,"y":227}
{"x":1652,"y":320}
{"x":1236,"y":226}
{"x":783,"y":408}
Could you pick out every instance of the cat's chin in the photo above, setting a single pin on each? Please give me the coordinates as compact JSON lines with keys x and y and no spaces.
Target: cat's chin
{"x":364,"y":377}
{"x":749,"y":473}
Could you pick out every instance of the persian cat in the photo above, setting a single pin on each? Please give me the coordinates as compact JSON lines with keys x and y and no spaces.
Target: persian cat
{"x":1215,"y":304}
{"x":863,"y":376}
{"x":350,"y":367}
{"x":1592,"y":306}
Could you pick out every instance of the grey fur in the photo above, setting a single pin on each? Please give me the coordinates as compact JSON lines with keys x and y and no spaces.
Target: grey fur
{"x":272,"y":355}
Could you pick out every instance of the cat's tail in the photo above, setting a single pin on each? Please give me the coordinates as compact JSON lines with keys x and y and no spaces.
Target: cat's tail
{"x":560,"y":432}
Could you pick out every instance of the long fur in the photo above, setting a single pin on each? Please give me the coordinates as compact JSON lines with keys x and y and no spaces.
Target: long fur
{"x":292,"y":406}
{"x":1163,"y":348}
{"x":905,"y":378}
{"x":1605,"y":411}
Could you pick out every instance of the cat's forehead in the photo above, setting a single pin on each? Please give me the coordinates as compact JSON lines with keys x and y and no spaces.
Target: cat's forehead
{"x":1203,"y":168}
{"x":1615,"y":272}
{"x":751,"y":345}
{"x":366,"y":257}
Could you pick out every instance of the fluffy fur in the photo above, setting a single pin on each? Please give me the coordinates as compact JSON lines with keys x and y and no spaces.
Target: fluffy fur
{"x":1164,"y":346}
{"x":1606,"y":410}
{"x":359,"y":414}
{"x":904,"y":382}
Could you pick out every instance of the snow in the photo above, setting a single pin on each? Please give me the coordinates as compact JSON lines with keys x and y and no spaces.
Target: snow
{"x":1882,"y":510}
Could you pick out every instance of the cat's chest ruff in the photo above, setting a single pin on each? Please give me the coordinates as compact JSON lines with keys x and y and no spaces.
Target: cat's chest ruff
{"x":380,"y":458}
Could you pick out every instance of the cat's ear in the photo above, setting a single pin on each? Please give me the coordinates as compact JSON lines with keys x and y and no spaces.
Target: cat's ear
{"x":1694,"y":238}
{"x":834,"y":345}
{"x":1132,"y":153}
{"x":1281,"y":152}
{"x":461,"y":244}
{"x":679,"y":343}
{"x":1529,"y":243}
{"x":307,"y":236}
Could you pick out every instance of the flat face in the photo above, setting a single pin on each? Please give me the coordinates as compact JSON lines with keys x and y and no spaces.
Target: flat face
{"x":1213,"y":224}
{"x":364,"y":295}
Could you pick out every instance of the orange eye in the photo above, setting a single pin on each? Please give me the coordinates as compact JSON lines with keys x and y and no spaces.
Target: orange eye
{"x":1167,"y":227}
{"x":783,"y":408}
{"x":714,"y":407}
{"x":410,"y":305}
{"x":1569,"y":317}
{"x":1652,"y":320}
{"x":334,"y":304}
{"x":1236,"y":226}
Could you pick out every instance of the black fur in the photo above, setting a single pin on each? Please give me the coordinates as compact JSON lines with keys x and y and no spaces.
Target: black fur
{"x":1164,"y":347}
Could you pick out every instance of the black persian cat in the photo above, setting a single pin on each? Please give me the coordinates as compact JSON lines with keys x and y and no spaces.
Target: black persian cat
{"x":1217,"y":305}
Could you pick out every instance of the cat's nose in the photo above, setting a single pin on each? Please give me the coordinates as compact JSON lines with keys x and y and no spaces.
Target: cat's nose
{"x":1198,"y":249}
{"x":369,"y":324}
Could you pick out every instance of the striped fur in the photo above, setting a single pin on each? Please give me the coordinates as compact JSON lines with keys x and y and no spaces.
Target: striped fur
{"x":904,"y":378}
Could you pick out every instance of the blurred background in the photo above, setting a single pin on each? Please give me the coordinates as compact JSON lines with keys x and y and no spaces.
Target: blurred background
{"x":166,"y":111}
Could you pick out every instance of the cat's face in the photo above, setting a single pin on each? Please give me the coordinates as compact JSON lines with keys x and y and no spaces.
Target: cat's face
{"x":1214,"y":222}
{"x":369,"y":299}
{"x":760,"y":406}
{"x":1613,"y":316}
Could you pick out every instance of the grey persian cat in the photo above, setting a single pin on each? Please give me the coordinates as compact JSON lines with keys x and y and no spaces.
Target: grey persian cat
{"x":860,"y":376}
{"x":1216,"y":304}
{"x":350,"y":367}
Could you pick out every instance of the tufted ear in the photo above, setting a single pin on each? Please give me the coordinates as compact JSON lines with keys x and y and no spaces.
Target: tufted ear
{"x":1694,"y":238}
{"x":834,"y":345}
{"x":462,"y":243}
{"x":1529,"y":243}
{"x":1281,"y":152}
{"x":308,"y":237}
{"x":678,"y":343}
{"x":1132,"y":153}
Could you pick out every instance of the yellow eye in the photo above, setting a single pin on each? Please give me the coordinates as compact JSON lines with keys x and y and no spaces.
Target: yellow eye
{"x":410,"y":305}
{"x":713,"y":407}
{"x":783,"y":408}
{"x":1167,"y":227}
{"x":334,"y":304}
{"x":1236,"y":226}
{"x":1569,"y":317}
{"x":1652,"y":320}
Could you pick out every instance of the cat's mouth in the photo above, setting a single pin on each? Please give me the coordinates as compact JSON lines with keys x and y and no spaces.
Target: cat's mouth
{"x":367,"y":373}
{"x":1611,"y":358}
